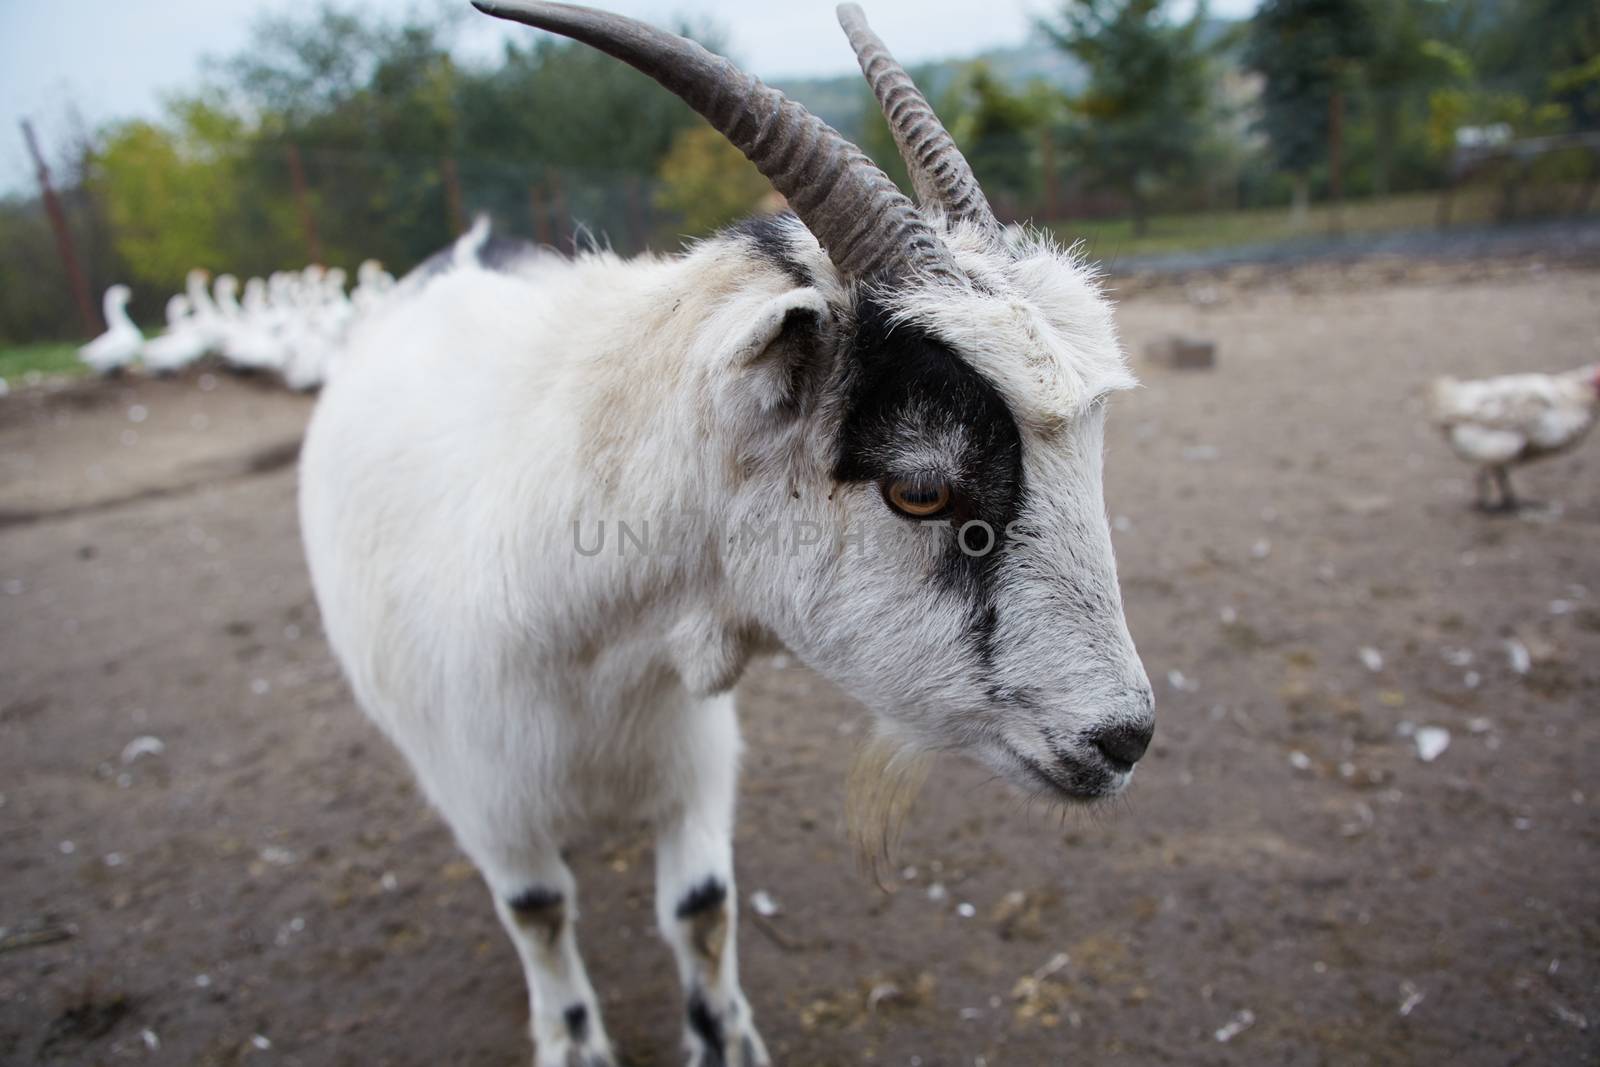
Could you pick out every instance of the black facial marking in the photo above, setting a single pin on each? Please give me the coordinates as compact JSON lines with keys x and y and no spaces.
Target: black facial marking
{"x":708,"y":1028}
{"x":577,"y":1020}
{"x":1011,"y":695}
{"x":709,"y":895}
{"x":908,"y":385}
{"x":773,"y":238}
{"x":1069,"y":774}
{"x":905,"y":385}
{"x":985,"y":620}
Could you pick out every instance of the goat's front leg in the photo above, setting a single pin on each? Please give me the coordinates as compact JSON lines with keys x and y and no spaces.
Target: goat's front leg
{"x":696,"y":902}
{"x":536,"y":898}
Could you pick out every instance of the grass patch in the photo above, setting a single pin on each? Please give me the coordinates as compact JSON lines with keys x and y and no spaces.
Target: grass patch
{"x":45,"y":357}
{"x":1113,"y":239}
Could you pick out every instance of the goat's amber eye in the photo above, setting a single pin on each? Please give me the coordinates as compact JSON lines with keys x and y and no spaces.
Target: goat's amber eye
{"x":916,"y":497}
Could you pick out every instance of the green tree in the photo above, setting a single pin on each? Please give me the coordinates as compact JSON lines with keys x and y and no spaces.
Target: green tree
{"x":1549,"y":51}
{"x":1147,"y":106}
{"x":998,"y":131}
{"x":373,"y":108}
{"x":565,"y":104}
{"x":1308,"y":53}
{"x":297,"y":67}
{"x":170,"y":192}
{"x":35,"y":299}
{"x":1407,"y":60}
{"x":378,"y":107}
{"x":708,"y":181}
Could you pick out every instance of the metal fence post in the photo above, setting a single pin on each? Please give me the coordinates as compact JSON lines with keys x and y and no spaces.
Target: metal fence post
{"x":58,"y":223}
{"x":452,"y":196}
{"x":302,"y":203}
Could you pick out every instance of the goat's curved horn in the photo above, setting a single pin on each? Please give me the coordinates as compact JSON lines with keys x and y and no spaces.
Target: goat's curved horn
{"x":866,"y":225}
{"x":939,"y":172}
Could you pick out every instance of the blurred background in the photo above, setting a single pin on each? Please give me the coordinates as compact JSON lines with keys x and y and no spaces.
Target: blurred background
{"x":249,"y":136}
{"x":1367,"y":831}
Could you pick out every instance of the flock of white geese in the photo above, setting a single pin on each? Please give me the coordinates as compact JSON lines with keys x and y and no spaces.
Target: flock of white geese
{"x":292,"y":323}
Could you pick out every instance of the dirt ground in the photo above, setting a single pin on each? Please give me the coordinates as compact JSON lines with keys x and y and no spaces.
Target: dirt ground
{"x":1287,"y":883}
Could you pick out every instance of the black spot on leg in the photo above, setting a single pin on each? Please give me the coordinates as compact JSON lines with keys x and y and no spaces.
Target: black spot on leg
{"x":577,"y":1020}
{"x":541,"y":909}
{"x":534,"y":901}
{"x":705,"y":1025}
{"x":704,"y":909}
{"x":709,"y":895}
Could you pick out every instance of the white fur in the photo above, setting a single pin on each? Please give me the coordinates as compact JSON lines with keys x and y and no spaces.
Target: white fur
{"x":539,"y":688}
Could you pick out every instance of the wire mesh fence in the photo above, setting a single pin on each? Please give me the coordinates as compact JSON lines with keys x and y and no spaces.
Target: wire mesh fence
{"x":298,"y":203}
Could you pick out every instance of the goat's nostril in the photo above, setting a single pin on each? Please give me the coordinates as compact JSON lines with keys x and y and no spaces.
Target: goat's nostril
{"x":1123,"y":744}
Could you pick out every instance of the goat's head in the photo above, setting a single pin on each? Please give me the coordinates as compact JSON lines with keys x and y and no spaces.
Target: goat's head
{"x":922,"y":392}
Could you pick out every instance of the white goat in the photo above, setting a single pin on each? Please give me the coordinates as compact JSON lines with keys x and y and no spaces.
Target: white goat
{"x":553,"y":507}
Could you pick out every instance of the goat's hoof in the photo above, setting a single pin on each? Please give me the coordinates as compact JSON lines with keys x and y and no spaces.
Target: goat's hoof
{"x":564,"y":1051}
{"x":738,"y":1047}
{"x":574,"y":1056}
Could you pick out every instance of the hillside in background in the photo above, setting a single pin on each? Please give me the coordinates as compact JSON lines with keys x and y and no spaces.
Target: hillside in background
{"x":840,"y":101}
{"x":334,"y":138}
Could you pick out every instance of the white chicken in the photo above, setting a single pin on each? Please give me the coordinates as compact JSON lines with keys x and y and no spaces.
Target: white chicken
{"x":1498,"y":423}
{"x":113,"y":350}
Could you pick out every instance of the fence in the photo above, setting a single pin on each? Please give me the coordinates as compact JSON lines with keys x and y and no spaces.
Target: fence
{"x":326,"y":203}
{"x":307,"y":203}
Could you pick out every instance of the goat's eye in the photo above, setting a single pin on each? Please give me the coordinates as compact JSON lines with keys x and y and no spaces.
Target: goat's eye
{"x":917,"y":498}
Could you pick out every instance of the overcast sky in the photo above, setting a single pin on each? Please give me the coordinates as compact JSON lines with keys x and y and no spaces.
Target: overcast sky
{"x":110,"y":59}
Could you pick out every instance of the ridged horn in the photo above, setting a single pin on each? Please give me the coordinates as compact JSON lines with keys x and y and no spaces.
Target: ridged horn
{"x":864,"y":223}
{"x":938,"y":170}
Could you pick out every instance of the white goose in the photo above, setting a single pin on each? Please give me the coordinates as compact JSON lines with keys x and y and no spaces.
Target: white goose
{"x":205,"y":317}
{"x":226,"y":290}
{"x":115,"y":348}
{"x":181,"y":344}
{"x":311,"y":331}
{"x":255,"y":299}
{"x":373,"y":285}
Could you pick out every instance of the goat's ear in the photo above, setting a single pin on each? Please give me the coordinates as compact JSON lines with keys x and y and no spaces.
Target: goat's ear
{"x":779,"y":361}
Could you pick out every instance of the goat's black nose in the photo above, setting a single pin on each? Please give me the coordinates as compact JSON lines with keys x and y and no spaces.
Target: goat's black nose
{"x":1124,"y":743}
